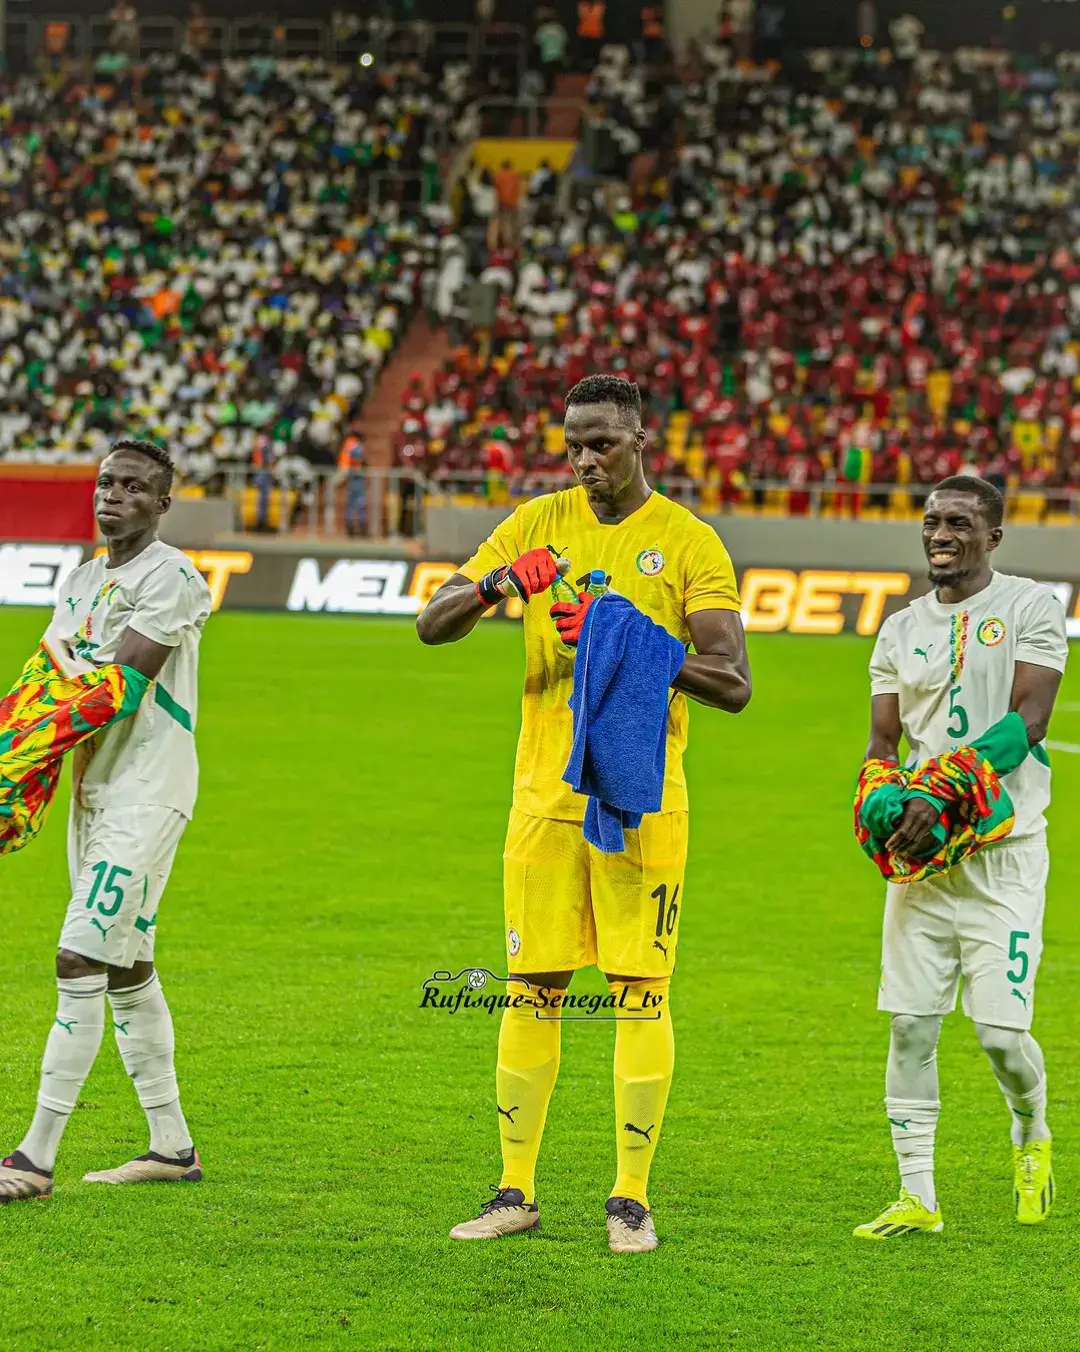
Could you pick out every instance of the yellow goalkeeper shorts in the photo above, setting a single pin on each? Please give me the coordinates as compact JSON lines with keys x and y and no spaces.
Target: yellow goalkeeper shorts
{"x":568,"y":905}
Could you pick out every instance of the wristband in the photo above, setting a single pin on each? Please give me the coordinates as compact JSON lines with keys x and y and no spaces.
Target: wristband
{"x":489,"y":589}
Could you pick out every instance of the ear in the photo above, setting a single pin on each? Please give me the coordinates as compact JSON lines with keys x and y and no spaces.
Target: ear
{"x":994,"y":538}
{"x":641,"y":436}
{"x":165,"y":503}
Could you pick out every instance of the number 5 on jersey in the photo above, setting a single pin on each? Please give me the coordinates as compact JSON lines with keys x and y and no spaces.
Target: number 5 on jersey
{"x":958,"y":714}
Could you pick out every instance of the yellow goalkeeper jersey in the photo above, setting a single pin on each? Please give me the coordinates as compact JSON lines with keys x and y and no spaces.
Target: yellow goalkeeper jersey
{"x":670,"y":564}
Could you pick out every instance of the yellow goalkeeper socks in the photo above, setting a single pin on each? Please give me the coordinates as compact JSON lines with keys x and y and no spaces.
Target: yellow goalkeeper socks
{"x":644,"y":1059}
{"x":528,"y":1064}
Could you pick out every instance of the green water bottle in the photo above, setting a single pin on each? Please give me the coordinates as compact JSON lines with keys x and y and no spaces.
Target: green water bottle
{"x":562,"y":590}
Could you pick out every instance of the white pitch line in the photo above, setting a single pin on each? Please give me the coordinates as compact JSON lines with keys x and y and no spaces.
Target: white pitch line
{"x":1064,"y":746}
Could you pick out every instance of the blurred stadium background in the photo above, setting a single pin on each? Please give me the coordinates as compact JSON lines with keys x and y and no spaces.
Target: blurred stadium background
{"x":345,"y":260}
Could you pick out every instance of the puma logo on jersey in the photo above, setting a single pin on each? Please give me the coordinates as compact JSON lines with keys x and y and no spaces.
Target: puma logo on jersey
{"x":657,"y":944}
{"x":184,"y":573}
{"x":508,"y":1113}
{"x":70,"y":601}
{"x":924,"y":653}
{"x":1021,"y":997}
{"x":640,"y":1131}
{"x":103,"y":928}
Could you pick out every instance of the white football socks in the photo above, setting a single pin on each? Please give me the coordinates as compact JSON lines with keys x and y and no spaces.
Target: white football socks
{"x":913,"y":1123}
{"x":144,"y":1036}
{"x":73,"y":1044}
{"x":911,"y":1100}
{"x":1020,"y":1070}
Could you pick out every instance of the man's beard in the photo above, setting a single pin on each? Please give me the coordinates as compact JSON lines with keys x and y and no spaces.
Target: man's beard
{"x":941,"y":578}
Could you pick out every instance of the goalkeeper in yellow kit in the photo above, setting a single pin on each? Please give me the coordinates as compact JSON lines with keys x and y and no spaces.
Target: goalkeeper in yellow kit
{"x":567,"y":904}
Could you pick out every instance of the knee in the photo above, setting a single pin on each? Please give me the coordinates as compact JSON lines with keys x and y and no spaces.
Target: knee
{"x":914,"y":1035}
{"x":71,"y":966}
{"x":1002,"y":1045}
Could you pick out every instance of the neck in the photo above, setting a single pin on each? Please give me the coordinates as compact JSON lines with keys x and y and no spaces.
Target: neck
{"x":123,"y":551}
{"x":636,"y":494}
{"x":966,"y":588}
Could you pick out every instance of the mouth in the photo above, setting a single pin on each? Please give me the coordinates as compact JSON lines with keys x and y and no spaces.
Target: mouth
{"x":943,"y":557}
{"x":107,"y":514}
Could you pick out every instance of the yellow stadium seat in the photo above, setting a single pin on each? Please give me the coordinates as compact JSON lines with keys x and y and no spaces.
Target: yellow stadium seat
{"x":1026,"y":508}
{"x":1061,"y":519}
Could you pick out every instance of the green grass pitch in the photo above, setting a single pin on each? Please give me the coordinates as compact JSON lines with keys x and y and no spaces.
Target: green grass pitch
{"x":347,"y":844}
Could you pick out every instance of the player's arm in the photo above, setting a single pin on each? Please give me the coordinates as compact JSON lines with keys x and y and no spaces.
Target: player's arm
{"x":885,"y":728}
{"x":500,"y":568}
{"x":451,"y":613}
{"x":1033,"y":694}
{"x":1042,"y":649}
{"x":142,"y":653}
{"x":717,"y":672}
{"x":170,"y":602}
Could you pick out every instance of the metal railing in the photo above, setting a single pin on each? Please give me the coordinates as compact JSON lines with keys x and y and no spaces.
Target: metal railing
{"x":392,"y":503}
{"x":89,"y":39}
{"x":373,"y":503}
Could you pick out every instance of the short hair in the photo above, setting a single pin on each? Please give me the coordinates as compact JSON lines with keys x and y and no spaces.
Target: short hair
{"x":991,"y":502}
{"x":624,"y":394}
{"x":158,"y":454}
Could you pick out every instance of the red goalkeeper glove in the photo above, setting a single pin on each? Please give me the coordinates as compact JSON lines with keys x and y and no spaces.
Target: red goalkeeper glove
{"x":533,"y":572}
{"x":569,"y":617}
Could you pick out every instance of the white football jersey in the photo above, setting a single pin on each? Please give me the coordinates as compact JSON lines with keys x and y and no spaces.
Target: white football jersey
{"x":953,"y":668}
{"x":148,"y":759}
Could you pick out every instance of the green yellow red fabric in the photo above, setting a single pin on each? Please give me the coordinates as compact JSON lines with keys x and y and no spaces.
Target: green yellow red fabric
{"x":43,"y":717}
{"x":975,"y":810}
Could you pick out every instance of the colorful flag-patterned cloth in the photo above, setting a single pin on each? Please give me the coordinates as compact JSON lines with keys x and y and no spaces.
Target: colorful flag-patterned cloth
{"x":46,"y":714}
{"x":975,"y":810}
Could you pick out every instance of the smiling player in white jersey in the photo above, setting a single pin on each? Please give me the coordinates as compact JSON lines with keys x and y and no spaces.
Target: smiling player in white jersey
{"x":133,"y":791}
{"x":979,"y":645}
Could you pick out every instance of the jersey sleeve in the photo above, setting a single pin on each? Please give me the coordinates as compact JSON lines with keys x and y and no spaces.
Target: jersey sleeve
{"x":884,"y":677}
{"x":1042,"y":639}
{"x":172,"y":600}
{"x":500,"y":547}
{"x":710,"y":579}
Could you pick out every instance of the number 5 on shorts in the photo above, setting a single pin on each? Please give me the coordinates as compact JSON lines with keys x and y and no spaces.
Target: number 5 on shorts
{"x":1015,"y":953}
{"x":108,"y":886}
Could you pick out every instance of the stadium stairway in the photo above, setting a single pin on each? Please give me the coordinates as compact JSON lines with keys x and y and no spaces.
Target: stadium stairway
{"x":565,"y":123}
{"x":423,"y":349}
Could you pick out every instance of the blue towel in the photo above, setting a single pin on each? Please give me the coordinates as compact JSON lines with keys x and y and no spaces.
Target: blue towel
{"x":622,"y":685}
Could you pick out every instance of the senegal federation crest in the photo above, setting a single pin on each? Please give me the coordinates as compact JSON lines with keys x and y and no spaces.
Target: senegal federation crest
{"x":513,"y":941}
{"x":991,"y":632}
{"x":650,"y":562}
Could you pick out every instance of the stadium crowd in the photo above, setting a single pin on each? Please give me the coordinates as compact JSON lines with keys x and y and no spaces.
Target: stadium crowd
{"x":863,"y":267}
{"x":866,"y":269}
{"x":193,"y":252}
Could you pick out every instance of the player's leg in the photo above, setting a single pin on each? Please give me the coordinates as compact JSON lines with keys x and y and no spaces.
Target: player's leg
{"x":548,"y":937}
{"x":1001,"y":931}
{"x":920,"y":967}
{"x":142,"y":1022}
{"x":70,"y":1050}
{"x":637,"y":898}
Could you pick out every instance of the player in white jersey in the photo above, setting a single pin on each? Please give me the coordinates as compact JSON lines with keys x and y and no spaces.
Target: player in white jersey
{"x":952,"y":664}
{"x":133,"y":791}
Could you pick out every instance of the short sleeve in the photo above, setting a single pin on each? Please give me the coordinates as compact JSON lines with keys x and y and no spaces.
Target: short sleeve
{"x":172,"y":600}
{"x":884,"y":677}
{"x":710,"y":577}
{"x":1041,"y":639}
{"x":500,"y":547}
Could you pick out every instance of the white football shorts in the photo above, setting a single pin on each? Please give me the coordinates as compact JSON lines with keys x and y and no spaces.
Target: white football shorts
{"x":120,"y":860}
{"x":981,"y":921}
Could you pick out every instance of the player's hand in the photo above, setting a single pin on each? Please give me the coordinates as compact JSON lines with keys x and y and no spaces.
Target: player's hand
{"x":911,"y":836}
{"x":569,"y":617}
{"x":531,"y":573}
